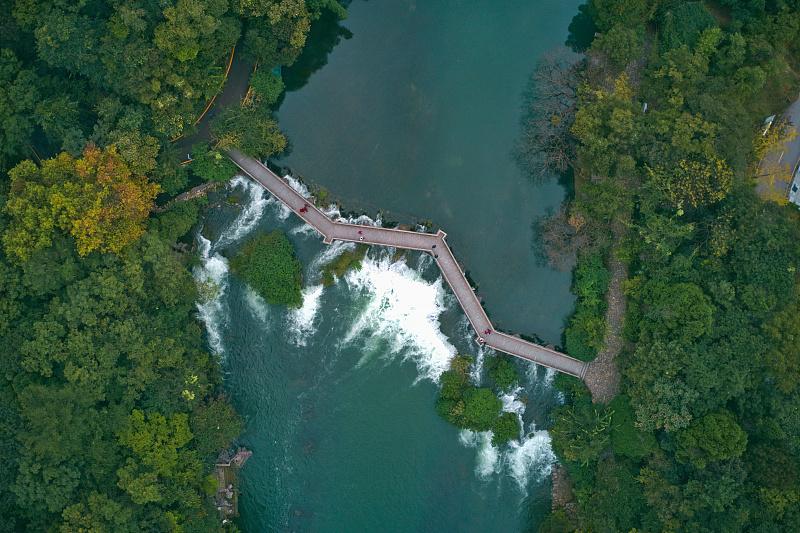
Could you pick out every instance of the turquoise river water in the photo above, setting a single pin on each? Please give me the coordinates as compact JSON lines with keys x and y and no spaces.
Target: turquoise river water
{"x":411,"y":116}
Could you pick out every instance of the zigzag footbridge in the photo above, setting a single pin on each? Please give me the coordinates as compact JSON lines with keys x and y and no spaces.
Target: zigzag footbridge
{"x":432,"y":243}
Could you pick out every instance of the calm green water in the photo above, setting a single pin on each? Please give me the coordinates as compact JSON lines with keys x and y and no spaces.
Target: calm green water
{"x":416,"y":112}
{"x":416,"y":115}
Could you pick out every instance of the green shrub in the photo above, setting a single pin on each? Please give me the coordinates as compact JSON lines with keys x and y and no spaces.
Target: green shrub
{"x":211,"y":165}
{"x":481,"y":408}
{"x":626,"y":439}
{"x":556,"y":522}
{"x":581,"y":431}
{"x":586,"y":331}
{"x":502,"y":372}
{"x":210,"y":485}
{"x":505,"y":428}
{"x":683,"y":24}
{"x":339,"y":266}
{"x":454,"y":382}
{"x":268,"y":264}
{"x":475,"y":408}
{"x":267,"y":86}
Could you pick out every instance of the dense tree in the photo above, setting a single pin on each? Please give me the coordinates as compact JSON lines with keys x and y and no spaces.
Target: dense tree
{"x":250,"y":128}
{"x":709,"y":358}
{"x":606,"y":127}
{"x":157,"y":470}
{"x":503,"y":373}
{"x":620,"y":44}
{"x":214,"y":425}
{"x":715,"y":437}
{"x":268,"y":264}
{"x":18,"y":97}
{"x":111,"y":409}
{"x":96,"y":199}
{"x":211,"y":165}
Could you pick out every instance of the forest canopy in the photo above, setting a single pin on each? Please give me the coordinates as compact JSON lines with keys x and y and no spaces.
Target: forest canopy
{"x":112,"y":406}
{"x":664,"y":143}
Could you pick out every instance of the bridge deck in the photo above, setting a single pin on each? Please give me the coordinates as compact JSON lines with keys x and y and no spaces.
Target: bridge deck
{"x":410,"y":240}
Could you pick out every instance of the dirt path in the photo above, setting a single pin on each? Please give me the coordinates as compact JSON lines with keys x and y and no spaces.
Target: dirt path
{"x":562,"y":495}
{"x":602,"y":377}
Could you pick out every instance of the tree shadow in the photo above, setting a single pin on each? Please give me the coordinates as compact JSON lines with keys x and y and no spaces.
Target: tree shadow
{"x":581,"y":29}
{"x":326,"y":32}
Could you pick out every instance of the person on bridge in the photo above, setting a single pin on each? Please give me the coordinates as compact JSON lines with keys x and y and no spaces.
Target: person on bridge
{"x":487,"y":331}
{"x":304,"y":209}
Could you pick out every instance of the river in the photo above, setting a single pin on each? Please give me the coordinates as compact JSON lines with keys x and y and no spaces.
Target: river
{"x":414,"y":114}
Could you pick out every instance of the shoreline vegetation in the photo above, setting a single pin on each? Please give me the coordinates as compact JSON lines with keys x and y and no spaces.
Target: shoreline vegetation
{"x":660,"y":121}
{"x":113,"y":409}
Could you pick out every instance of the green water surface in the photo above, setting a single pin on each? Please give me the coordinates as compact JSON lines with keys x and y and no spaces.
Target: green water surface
{"x":415,"y":113}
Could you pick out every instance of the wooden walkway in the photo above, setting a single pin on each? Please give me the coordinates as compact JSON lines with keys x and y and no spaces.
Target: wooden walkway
{"x":434,"y":244}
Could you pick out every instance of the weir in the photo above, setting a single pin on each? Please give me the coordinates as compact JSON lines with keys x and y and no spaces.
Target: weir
{"x":432,"y":243}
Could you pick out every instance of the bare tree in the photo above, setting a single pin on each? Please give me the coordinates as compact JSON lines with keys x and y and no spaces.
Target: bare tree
{"x":560,"y":236}
{"x":546,"y":145}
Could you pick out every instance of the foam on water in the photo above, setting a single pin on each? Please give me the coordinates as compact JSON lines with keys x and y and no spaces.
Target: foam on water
{"x":403,"y":309}
{"x":477,"y":368}
{"x":512,"y":402}
{"x":256,"y":304}
{"x":303,"y":229}
{"x":533,"y":456}
{"x":212,"y":278}
{"x":250,"y":214}
{"x":329,"y":253}
{"x":543,"y":383}
{"x":297,"y":186}
{"x":529,"y":459}
{"x":212,"y":273}
{"x":488,"y":460}
{"x":301,"y":321}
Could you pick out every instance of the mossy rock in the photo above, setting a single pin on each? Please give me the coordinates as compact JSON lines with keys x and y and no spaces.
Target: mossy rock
{"x":351,"y":259}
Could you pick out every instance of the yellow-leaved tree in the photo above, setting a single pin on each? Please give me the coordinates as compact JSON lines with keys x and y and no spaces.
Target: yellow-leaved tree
{"x":96,"y":199}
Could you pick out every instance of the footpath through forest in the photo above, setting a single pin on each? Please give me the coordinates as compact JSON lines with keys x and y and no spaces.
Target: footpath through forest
{"x":602,"y":376}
